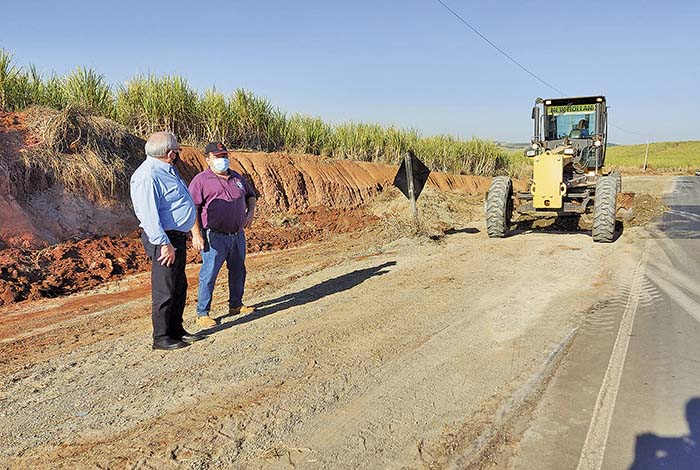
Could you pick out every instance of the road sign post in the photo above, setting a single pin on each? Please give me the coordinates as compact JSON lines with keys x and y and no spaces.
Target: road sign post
{"x":411,"y":188}
{"x":410,"y":179}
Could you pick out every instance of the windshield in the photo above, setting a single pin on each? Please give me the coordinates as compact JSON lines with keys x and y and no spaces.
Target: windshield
{"x":575,"y":122}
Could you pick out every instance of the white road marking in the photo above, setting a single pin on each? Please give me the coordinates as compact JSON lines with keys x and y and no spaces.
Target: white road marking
{"x":683,"y":300}
{"x":594,"y":448}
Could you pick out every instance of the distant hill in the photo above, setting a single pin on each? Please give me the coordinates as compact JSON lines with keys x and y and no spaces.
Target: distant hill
{"x":513,"y":145}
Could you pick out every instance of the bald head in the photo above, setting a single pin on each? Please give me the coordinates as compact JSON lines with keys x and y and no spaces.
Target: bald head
{"x":159,"y":143}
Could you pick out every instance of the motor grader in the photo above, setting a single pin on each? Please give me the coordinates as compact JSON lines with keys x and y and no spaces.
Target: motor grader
{"x":568,"y":176}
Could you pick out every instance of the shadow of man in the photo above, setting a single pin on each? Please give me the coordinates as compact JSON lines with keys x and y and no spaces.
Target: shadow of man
{"x":678,"y":453}
{"x":311,"y":294}
{"x":454,"y":231}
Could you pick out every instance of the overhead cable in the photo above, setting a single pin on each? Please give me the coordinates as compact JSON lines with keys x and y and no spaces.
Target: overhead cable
{"x":504,"y":53}
{"x":509,"y":57}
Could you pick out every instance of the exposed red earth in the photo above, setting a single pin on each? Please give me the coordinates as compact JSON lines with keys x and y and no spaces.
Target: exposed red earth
{"x":53,"y":242}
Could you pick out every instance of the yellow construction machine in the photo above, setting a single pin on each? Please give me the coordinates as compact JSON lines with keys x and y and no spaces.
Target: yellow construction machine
{"x":568,"y":178}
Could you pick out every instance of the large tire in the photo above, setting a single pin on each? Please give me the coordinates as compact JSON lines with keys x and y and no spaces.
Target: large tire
{"x":604,"y":209}
{"x":499,"y":207}
{"x":618,"y":179}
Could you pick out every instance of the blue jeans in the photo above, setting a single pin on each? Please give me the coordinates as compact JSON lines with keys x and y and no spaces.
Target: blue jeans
{"x":219,"y":247}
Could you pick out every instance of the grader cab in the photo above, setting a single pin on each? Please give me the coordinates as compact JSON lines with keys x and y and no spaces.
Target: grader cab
{"x":568,"y":157}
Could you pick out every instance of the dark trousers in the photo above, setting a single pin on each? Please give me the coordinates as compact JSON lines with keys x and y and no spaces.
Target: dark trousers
{"x":168,"y":287}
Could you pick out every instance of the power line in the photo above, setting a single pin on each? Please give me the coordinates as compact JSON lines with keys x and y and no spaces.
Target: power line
{"x":499,"y":49}
{"x":509,"y":57}
{"x":628,"y":131}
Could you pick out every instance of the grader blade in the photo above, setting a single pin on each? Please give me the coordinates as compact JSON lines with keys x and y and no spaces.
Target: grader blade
{"x":625,"y":202}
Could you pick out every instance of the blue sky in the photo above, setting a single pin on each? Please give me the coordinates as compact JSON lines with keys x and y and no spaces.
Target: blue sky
{"x":408,"y":63}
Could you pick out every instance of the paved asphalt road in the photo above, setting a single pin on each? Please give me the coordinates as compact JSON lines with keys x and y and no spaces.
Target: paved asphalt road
{"x":627,"y":396}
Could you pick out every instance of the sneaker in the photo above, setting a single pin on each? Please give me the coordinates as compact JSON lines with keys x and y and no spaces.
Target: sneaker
{"x":206,"y":321}
{"x":242,"y":309}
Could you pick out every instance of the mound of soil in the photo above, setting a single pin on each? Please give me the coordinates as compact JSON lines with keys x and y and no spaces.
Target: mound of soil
{"x":298,"y":182}
{"x":54,"y":241}
{"x":67,"y":267}
{"x":647,"y":207}
{"x":76,"y":265}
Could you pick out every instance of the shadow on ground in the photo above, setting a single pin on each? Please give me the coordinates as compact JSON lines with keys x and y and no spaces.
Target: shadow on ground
{"x":679,"y":453}
{"x":470,"y":230}
{"x":566,"y":224}
{"x":305,"y":296}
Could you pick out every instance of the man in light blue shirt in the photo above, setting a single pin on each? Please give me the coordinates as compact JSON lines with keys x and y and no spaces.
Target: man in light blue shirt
{"x":164,"y":207}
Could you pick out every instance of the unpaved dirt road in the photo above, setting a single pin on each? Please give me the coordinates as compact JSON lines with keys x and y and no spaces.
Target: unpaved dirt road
{"x":363,"y":354}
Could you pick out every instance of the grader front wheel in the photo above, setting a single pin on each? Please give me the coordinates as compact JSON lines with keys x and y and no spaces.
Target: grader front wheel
{"x":618,"y":180}
{"x":606,"y":189}
{"x":499,"y":207}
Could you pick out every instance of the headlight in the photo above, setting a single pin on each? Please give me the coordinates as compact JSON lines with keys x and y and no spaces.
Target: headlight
{"x":569,"y":151}
{"x":535,"y":146}
{"x":531,"y":153}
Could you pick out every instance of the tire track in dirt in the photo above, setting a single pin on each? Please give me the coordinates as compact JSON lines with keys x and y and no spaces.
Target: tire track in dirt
{"x":410,"y":338}
{"x":302,"y":371}
{"x":34,"y":333}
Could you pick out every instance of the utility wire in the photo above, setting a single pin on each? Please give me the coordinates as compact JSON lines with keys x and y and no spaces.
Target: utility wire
{"x":499,"y":49}
{"x":509,"y":57}
{"x":629,"y":132}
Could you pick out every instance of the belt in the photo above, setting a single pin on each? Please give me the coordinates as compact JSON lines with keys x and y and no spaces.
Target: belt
{"x":230,"y":234}
{"x":176,"y":233}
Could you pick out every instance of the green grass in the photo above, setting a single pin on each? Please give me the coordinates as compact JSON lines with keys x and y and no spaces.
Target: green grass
{"x":307,"y":134}
{"x":146,"y":104}
{"x":12,"y":83}
{"x":673,"y":157}
{"x":519,"y":165}
{"x":88,"y":89}
{"x":664,"y":157}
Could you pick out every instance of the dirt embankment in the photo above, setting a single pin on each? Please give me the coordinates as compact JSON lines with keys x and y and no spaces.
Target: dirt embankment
{"x":54,"y":241}
{"x":294,"y":183}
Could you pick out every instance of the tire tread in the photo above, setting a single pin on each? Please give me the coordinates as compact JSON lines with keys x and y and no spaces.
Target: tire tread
{"x":604,"y":209}
{"x":498,"y":209}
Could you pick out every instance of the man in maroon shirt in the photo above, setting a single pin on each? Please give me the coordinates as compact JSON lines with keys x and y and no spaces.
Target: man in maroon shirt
{"x":225,"y":204}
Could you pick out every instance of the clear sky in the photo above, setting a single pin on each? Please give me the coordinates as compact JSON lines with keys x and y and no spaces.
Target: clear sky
{"x":409,"y":63}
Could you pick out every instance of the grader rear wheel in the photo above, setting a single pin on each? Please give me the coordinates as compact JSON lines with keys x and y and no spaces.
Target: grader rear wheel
{"x":499,"y":207}
{"x":606,"y":189}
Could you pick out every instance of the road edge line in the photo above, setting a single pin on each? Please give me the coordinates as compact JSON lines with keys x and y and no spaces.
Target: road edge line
{"x":593,"y":450}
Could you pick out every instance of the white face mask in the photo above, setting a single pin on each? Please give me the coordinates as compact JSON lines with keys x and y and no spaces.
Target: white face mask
{"x":220,"y":164}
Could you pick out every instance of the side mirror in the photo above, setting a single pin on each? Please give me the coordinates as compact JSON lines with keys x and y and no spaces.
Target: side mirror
{"x":536,"y":117}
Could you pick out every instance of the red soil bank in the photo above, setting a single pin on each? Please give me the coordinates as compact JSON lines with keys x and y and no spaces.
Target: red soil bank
{"x":302,"y":198}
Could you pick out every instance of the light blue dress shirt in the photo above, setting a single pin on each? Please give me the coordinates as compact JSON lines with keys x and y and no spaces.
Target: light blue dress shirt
{"x":161,"y":200}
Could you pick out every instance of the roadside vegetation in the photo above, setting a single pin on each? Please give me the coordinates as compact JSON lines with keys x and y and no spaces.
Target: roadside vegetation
{"x":664,"y":157}
{"x":242,"y":120}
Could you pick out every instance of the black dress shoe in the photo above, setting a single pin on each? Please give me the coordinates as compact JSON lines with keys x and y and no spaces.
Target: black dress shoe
{"x":169,"y":344}
{"x":190,"y":338}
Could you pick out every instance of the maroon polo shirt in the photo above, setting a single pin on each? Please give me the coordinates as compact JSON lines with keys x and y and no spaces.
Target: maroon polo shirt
{"x":221,"y":201}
